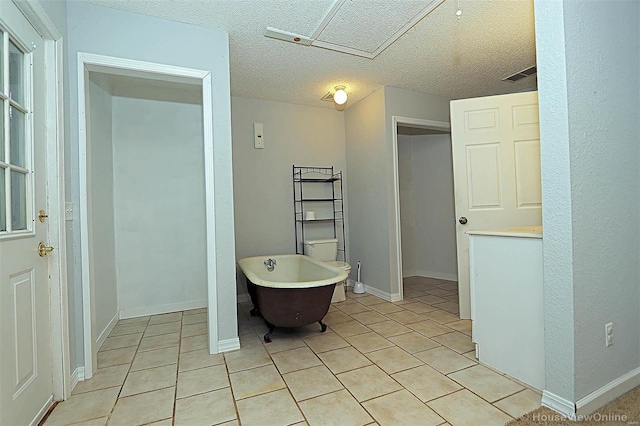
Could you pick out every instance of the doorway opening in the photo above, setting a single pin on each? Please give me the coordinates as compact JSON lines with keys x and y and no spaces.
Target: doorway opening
{"x":146,"y":203}
{"x":424,"y":198}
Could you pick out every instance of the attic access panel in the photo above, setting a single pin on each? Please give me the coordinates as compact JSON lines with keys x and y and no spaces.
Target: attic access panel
{"x":362,"y":27}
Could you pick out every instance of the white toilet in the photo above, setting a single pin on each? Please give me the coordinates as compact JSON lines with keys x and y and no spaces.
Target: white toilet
{"x":327,"y":251}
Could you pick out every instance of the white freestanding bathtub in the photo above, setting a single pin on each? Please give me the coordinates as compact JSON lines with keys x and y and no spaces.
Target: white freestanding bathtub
{"x":290,"y":271}
{"x":290,"y":290}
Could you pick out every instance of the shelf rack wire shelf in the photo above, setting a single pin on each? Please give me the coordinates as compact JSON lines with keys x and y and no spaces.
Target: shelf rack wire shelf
{"x":318,"y":188}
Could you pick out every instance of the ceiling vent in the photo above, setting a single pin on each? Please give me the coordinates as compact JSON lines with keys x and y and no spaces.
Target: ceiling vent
{"x":521,"y":74}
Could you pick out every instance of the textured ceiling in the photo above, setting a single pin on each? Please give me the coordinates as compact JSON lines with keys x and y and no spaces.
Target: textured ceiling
{"x":347,"y":27}
{"x":441,"y":55}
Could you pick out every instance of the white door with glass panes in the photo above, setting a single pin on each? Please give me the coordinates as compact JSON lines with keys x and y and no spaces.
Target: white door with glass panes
{"x":25,"y":330}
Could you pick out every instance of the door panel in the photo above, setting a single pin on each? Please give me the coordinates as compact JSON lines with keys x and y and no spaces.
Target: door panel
{"x":25,"y":328}
{"x":482,"y":120}
{"x":496,"y":167}
{"x":525,"y":116}
{"x":528,"y":190}
{"x":484,"y":183}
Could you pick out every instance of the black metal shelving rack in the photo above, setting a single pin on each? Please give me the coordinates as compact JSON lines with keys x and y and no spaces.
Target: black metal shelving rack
{"x":303,"y":176}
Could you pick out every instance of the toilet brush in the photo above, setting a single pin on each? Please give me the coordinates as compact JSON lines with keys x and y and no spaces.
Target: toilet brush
{"x":358,"y":287}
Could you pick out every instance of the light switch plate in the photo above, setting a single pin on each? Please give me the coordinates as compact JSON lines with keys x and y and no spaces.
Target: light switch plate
{"x":258,"y":136}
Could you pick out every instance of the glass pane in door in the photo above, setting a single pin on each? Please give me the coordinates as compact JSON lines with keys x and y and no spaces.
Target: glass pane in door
{"x":1,"y":61}
{"x":3,"y":202}
{"x":17,"y":144}
{"x":2,"y":130}
{"x":18,"y":201}
{"x":16,"y":74}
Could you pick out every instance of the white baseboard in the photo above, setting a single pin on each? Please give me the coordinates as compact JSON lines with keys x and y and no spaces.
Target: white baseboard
{"x":559,"y":404}
{"x":395,"y":297}
{"x":437,"y":275}
{"x":76,"y":376}
{"x":244,"y":297}
{"x":42,"y":412}
{"x":229,"y":344}
{"x":143,"y":311}
{"x":409,"y":273}
{"x":105,"y":333}
{"x":608,"y":392}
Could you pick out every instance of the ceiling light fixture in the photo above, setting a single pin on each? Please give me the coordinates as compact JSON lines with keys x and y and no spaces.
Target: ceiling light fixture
{"x":340,"y":96}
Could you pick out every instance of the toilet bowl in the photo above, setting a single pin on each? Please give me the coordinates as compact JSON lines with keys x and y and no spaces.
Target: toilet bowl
{"x":326,"y":250}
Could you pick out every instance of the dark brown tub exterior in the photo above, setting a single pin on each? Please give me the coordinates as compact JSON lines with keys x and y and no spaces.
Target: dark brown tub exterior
{"x":291,"y":307}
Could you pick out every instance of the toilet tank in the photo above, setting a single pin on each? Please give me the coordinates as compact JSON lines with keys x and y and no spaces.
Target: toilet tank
{"x":323,"y":250}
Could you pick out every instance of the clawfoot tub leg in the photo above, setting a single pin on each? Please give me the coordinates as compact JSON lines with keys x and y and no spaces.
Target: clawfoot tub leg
{"x":323,"y":326}
{"x":267,"y":337}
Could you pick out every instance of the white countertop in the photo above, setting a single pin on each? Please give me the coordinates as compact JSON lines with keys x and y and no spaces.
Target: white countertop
{"x":518,"y":231}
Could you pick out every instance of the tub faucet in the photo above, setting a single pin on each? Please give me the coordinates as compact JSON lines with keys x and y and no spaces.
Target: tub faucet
{"x":270,"y":264}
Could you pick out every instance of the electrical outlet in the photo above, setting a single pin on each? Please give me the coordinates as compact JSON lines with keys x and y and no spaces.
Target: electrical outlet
{"x":608,"y":334}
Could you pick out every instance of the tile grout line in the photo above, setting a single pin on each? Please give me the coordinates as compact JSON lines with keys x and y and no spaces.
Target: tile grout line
{"x":463,"y":387}
{"x":472,"y":392}
{"x":275,"y":365}
{"x":390,"y":376}
{"x":110,"y":415}
{"x":233,"y":398}
{"x":480,"y":396}
{"x":175,"y":389}
{"x":369,"y":308}
{"x":327,"y":367}
{"x":359,"y":334}
{"x":374,"y":364}
{"x":131,"y":365}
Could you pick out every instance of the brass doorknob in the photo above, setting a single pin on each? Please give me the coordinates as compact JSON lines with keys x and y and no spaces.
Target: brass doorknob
{"x":462,"y":220}
{"x":44,"y":250}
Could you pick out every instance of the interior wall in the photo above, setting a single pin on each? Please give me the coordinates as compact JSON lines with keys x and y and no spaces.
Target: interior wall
{"x":91,"y":29}
{"x":605,"y":161}
{"x":102,"y":252}
{"x":427,"y":217}
{"x":590,"y":173}
{"x":159,"y":204}
{"x":407,"y":207}
{"x":434,"y":205}
{"x":372,"y":181}
{"x":366,"y":154}
{"x":556,"y":193}
{"x":403,"y":103}
{"x":263,"y":189}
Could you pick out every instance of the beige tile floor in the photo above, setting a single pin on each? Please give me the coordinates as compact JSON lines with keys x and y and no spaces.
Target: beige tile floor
{"x":405,"y":363}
